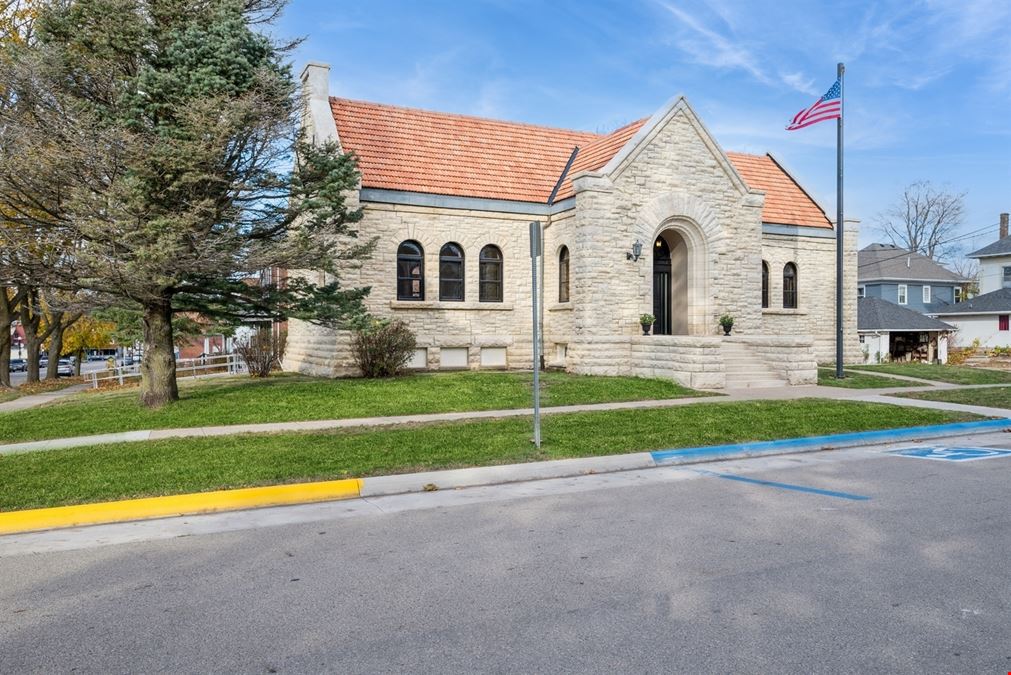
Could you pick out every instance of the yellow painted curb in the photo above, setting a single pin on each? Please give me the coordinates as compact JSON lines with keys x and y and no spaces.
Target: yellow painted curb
{"x":178,"y":505}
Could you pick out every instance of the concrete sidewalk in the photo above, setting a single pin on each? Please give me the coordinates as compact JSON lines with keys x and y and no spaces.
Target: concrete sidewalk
{"x":738,"y":395}
{"x":25,"y":402}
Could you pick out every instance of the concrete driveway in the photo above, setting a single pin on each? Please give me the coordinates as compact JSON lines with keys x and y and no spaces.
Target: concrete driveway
{"x":845,"y":561}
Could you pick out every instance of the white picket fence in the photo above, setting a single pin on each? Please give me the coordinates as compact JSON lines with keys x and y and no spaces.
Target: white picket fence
{"x":224,"y":364}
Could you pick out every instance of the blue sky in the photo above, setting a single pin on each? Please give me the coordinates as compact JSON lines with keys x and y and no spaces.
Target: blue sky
{"x":928,"y":86}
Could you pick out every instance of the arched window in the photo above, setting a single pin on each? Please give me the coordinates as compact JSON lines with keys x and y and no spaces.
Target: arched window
{"x":790,"y":286}
{"x":410,"y":271}
{"x":765,"y":284}
{"x":563,"y":274}
{"x":490,"y":274}
{"x":451,"y":272}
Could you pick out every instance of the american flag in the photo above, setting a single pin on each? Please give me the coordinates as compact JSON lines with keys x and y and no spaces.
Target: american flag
{"x":828,"y":107}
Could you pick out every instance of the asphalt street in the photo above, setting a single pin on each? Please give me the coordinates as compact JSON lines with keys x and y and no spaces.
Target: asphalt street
{"x":845,"y":561}
{"x":19,"y":377}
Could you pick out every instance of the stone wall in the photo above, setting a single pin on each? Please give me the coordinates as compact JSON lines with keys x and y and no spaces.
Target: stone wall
{"x":815,"y":312}
{"x":689,"y":361}
{"x":438,"y":324}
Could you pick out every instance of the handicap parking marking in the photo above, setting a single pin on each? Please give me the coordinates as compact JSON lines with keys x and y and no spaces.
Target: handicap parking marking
{"x":950,"y":454}
{"x":782,"y":486}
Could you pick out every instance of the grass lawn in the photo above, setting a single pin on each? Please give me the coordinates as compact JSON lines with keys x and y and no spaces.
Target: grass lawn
{"x":992,"y":397}
{"x":124,"y":470}
{"x":287,"y":398}
{"x":827,"y":378}
{"x":952,"y":374}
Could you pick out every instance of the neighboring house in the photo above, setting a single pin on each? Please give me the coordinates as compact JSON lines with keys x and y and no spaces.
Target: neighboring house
{"x":652,"y":218}
{"x":995,"y":261}
{"x":889,"y":332}
{"x":907,"y":279}
{"x":985,"y":317}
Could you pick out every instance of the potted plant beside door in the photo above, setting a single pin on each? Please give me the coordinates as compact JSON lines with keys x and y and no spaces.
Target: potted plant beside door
{"x":646,"y":320}
{"x":727,"y":322}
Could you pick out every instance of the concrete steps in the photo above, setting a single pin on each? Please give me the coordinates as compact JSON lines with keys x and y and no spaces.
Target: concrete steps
{"x":746,"y":370}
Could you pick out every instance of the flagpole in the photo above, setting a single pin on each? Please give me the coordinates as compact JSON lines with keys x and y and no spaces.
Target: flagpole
{"x":841,"y":69}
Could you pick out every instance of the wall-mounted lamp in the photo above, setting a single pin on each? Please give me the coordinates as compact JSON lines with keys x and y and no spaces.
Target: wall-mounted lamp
{"x":636,"y":251}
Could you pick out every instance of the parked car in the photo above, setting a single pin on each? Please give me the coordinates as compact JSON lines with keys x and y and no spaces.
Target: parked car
{"x":65,"y":368}
{"x":19,"y":365}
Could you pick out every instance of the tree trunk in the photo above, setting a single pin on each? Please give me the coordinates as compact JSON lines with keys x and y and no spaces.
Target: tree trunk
{"x":32,"y":349}
{"x":55,"y":345}
{"x":5,"y":357}
{"x":77,"y":362}
{"x":9,"y":301}
{"x":158,"y":365}
{"x":31,"y":321}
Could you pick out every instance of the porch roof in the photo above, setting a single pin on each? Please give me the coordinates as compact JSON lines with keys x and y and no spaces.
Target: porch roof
{"x":875,"y":314}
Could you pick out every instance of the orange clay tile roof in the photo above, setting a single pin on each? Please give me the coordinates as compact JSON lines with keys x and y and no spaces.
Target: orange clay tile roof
{"x":448,"y":154}
{"x":786,"y":203}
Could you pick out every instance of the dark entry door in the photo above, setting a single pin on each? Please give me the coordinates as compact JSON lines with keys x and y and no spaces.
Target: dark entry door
{"x":661,"y":287}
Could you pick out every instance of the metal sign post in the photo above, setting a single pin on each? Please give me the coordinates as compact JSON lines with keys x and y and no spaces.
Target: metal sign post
{"x":535,"y":253}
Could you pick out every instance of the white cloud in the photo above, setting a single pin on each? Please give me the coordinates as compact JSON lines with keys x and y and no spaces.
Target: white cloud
{"x":709,"y":47}
{"x":800,"y":82}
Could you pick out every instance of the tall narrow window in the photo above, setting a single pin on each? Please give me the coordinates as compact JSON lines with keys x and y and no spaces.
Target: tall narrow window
{"x":926,"y":295}
{"x":765,"y":284}
{"x":410,"y":271}
{"x":1002,"y":322}
{"x":451,"y":272}
{"x":902,"y":294}
{"x":490,"y":274}
{"x":790,"y":286}
{"x":563,"y":274}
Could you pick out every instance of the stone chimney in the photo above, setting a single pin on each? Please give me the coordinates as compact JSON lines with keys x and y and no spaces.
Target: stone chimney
{"x":318,"y":116}
{"x":1003,"y":225}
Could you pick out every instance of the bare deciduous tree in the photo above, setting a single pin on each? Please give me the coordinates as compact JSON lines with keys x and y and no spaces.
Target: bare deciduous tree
{"x":924,"y":219}
{"x":967,"y":268}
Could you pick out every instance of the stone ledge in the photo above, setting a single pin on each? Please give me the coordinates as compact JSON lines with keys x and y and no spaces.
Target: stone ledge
{"x":785,"y":312}
{"x":441,"y":304}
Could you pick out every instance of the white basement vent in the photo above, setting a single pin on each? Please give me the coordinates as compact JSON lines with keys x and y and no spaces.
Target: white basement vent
{"x":419,"y":359}
{"x":454,"y":357}
{"x":493,"y":357}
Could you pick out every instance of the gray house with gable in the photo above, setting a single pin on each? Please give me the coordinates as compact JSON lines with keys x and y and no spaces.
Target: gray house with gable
{"x":896,"y":288}
{"x":906,"y":279}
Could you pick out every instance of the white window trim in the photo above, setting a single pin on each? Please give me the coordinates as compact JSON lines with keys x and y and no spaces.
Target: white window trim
{"x":903,"y":294}
{"x":861,"y":291}
{"x":926,"y":295}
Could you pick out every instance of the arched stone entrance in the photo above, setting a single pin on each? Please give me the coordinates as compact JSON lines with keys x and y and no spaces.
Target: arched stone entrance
{"x":670,"y":284}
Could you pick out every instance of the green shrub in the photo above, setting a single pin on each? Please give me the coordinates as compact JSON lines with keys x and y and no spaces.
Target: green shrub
{"x":382,"y":348}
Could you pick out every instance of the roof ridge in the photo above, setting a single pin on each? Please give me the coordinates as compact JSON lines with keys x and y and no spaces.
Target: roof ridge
{"x":481,"y":118}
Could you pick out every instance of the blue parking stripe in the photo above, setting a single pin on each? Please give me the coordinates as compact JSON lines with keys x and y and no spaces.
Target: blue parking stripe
{"x":857,"y":438}
{"x":787,"y":486}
